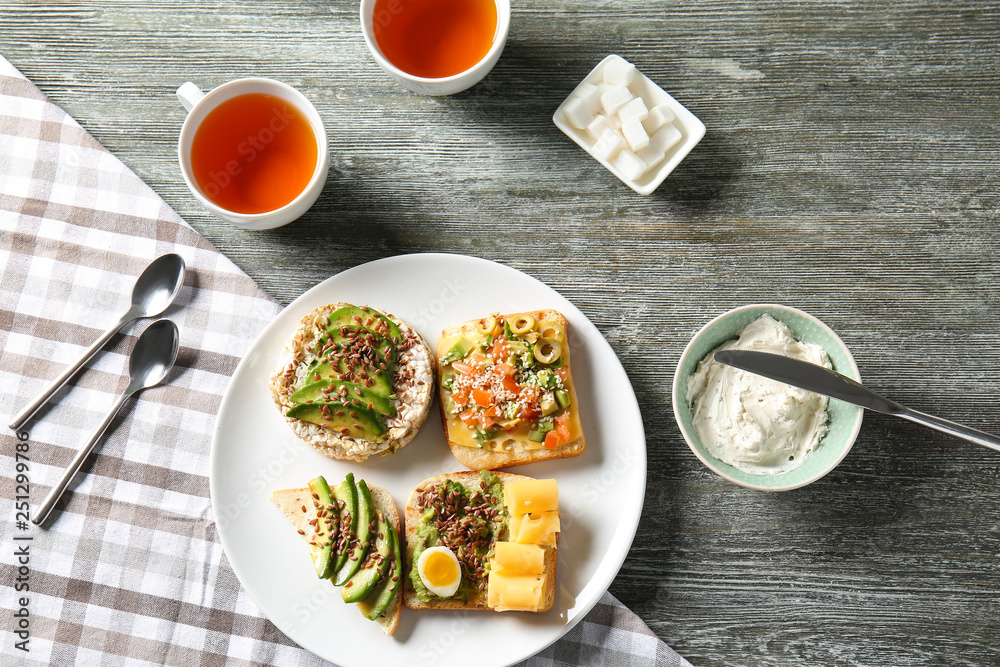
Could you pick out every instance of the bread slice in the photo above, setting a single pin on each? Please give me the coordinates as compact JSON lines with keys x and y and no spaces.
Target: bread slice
{"x":514,"y":447}
{"x":412,"y":515}
{"x":291,"y":503}
{"x":412,"y":384}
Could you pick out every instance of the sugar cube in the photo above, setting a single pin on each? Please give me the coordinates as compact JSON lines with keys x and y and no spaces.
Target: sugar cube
{"x":634,"y":133}
{"x":666,"y":137}
{"x":651,"y":155}
{"x":619,"y":72}
{"x":634,"y":108}
{"x":615,"y":97}
{"x":657,"y":118}
{"x":590,"y":95}
{"x":577,"y":112}
{"x":608,"y":145}
{"x":598,"y":125}
{"x":630,"y":165}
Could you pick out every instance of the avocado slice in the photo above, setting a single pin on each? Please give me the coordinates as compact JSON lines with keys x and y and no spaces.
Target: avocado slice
{"x":321,"y":547}
{"x":361,"y":522}
{"x":355,"y":316}
{"x":458,"y":351}
{"x":381,"y":383}
{"x":380,"y":599}
{"x":338,"y":391}
{"x":365,"y":579}
{"x":346,"y":494}
{"x":346,"y":336}
{"x":348,"y":419}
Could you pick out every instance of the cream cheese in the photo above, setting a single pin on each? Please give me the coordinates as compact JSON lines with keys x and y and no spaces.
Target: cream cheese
{"x":757,"y":425}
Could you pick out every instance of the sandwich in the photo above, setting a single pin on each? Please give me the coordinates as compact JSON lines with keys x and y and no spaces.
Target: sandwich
{"x":481,"y":541}
{"x":354,"y":538}
{"x":354,"y":381}
{"x":506,"y":390}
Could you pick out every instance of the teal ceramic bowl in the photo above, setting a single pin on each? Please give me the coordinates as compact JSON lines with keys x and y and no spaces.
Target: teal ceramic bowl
{"x":845,"y":419}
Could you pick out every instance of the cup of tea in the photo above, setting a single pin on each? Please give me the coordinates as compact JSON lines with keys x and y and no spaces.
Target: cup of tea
{"x":253,"y":151}
{"x":436,"y":47}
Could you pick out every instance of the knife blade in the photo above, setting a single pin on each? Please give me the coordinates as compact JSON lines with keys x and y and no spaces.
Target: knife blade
{"x":820,"y":380}
{"x":808,"y":376}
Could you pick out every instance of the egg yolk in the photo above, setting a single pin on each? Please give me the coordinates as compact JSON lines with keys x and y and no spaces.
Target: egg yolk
{"x":440,"y":570}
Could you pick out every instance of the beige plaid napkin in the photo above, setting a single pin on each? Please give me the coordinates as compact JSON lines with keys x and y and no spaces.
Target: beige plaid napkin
{"x":130,"y":571}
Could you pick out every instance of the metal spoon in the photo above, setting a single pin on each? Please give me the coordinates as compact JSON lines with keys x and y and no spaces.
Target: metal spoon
{"x":154,"y":290}
{"x":152,"y":357}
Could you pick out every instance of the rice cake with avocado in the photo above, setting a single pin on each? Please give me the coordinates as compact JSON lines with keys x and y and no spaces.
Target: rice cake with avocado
{"x":354,"y":381}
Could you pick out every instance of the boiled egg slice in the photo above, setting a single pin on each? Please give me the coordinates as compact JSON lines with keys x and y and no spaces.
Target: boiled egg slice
{"x":439,"y":570}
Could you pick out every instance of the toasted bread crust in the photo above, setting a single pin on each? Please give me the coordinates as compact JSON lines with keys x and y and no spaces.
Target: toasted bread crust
{"x":411,"y":518}
{"x":291,"y":502}
{"x":414,"y":384}
{"x":481,"y":459}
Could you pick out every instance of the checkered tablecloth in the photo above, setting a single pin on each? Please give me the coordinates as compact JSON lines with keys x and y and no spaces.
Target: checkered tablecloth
{"x":130,"y":570}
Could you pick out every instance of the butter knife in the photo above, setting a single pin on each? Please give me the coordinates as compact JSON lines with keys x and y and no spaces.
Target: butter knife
{"x":817,"y":379}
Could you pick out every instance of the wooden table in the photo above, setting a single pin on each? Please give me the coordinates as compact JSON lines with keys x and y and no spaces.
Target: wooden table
{"x":850,"y":169}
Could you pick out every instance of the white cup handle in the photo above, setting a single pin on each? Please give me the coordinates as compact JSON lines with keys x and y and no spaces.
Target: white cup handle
{"x":189,"y":95}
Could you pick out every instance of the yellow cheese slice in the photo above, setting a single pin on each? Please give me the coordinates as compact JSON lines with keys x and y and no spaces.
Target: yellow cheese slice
{"x":510,"y":558}
{"x":514,"y":593}
{"x":535,"y":529}
{"x":531,"y":496}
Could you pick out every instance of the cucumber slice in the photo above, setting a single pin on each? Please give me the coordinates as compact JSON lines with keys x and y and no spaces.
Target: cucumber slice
{"x":387,"y":591}
{"x":366,"y":578}
{"x":346,"y":494}
{"x":326,"y":532}
{"x":362,"y":534}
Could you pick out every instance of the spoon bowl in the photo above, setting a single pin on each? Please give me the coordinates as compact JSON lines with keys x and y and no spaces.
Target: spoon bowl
{"x":157,"y":287}
{"x":153,"y":356}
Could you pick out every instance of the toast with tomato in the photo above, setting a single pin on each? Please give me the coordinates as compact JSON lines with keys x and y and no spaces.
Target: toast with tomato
{"x":506,"y":389}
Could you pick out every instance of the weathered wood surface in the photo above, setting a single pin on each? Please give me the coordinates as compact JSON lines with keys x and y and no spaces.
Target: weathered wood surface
{"x":850,"y":169}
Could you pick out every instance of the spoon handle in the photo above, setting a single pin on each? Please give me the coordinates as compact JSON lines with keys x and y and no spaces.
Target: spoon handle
{"x":29,"y":410}
{"x":951,"y":428}
{"x":45,"y":508}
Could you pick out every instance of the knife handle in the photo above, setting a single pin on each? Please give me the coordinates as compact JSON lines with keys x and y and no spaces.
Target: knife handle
{"x":951,"y":428}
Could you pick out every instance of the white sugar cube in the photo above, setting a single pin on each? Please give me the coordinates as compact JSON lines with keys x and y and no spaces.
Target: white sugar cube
{"x":634,"y":133}
{"x":619,"y":72}
{"x":577,"y":112}
{"x":603,"y":87}
{"x":630,"y":165}
{"x":608,"y":145}
{"x":614,"y":98}
{"x":651,"y":155}
{"x":590,"y":95}
{"x":666,"y":137}
{"x":657,"y":118}
{"x":598,"y":125}
{"x":635,"y":108}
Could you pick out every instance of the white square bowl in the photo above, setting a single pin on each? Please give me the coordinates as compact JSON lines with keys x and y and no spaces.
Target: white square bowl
{"x":691,"y":129}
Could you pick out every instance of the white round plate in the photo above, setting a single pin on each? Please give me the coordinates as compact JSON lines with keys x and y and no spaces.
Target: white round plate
{"x":254,"y":452}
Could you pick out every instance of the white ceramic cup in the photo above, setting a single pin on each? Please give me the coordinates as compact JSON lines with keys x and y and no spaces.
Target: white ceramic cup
{"x":199,"y":105}
{"x":448,"y":85}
